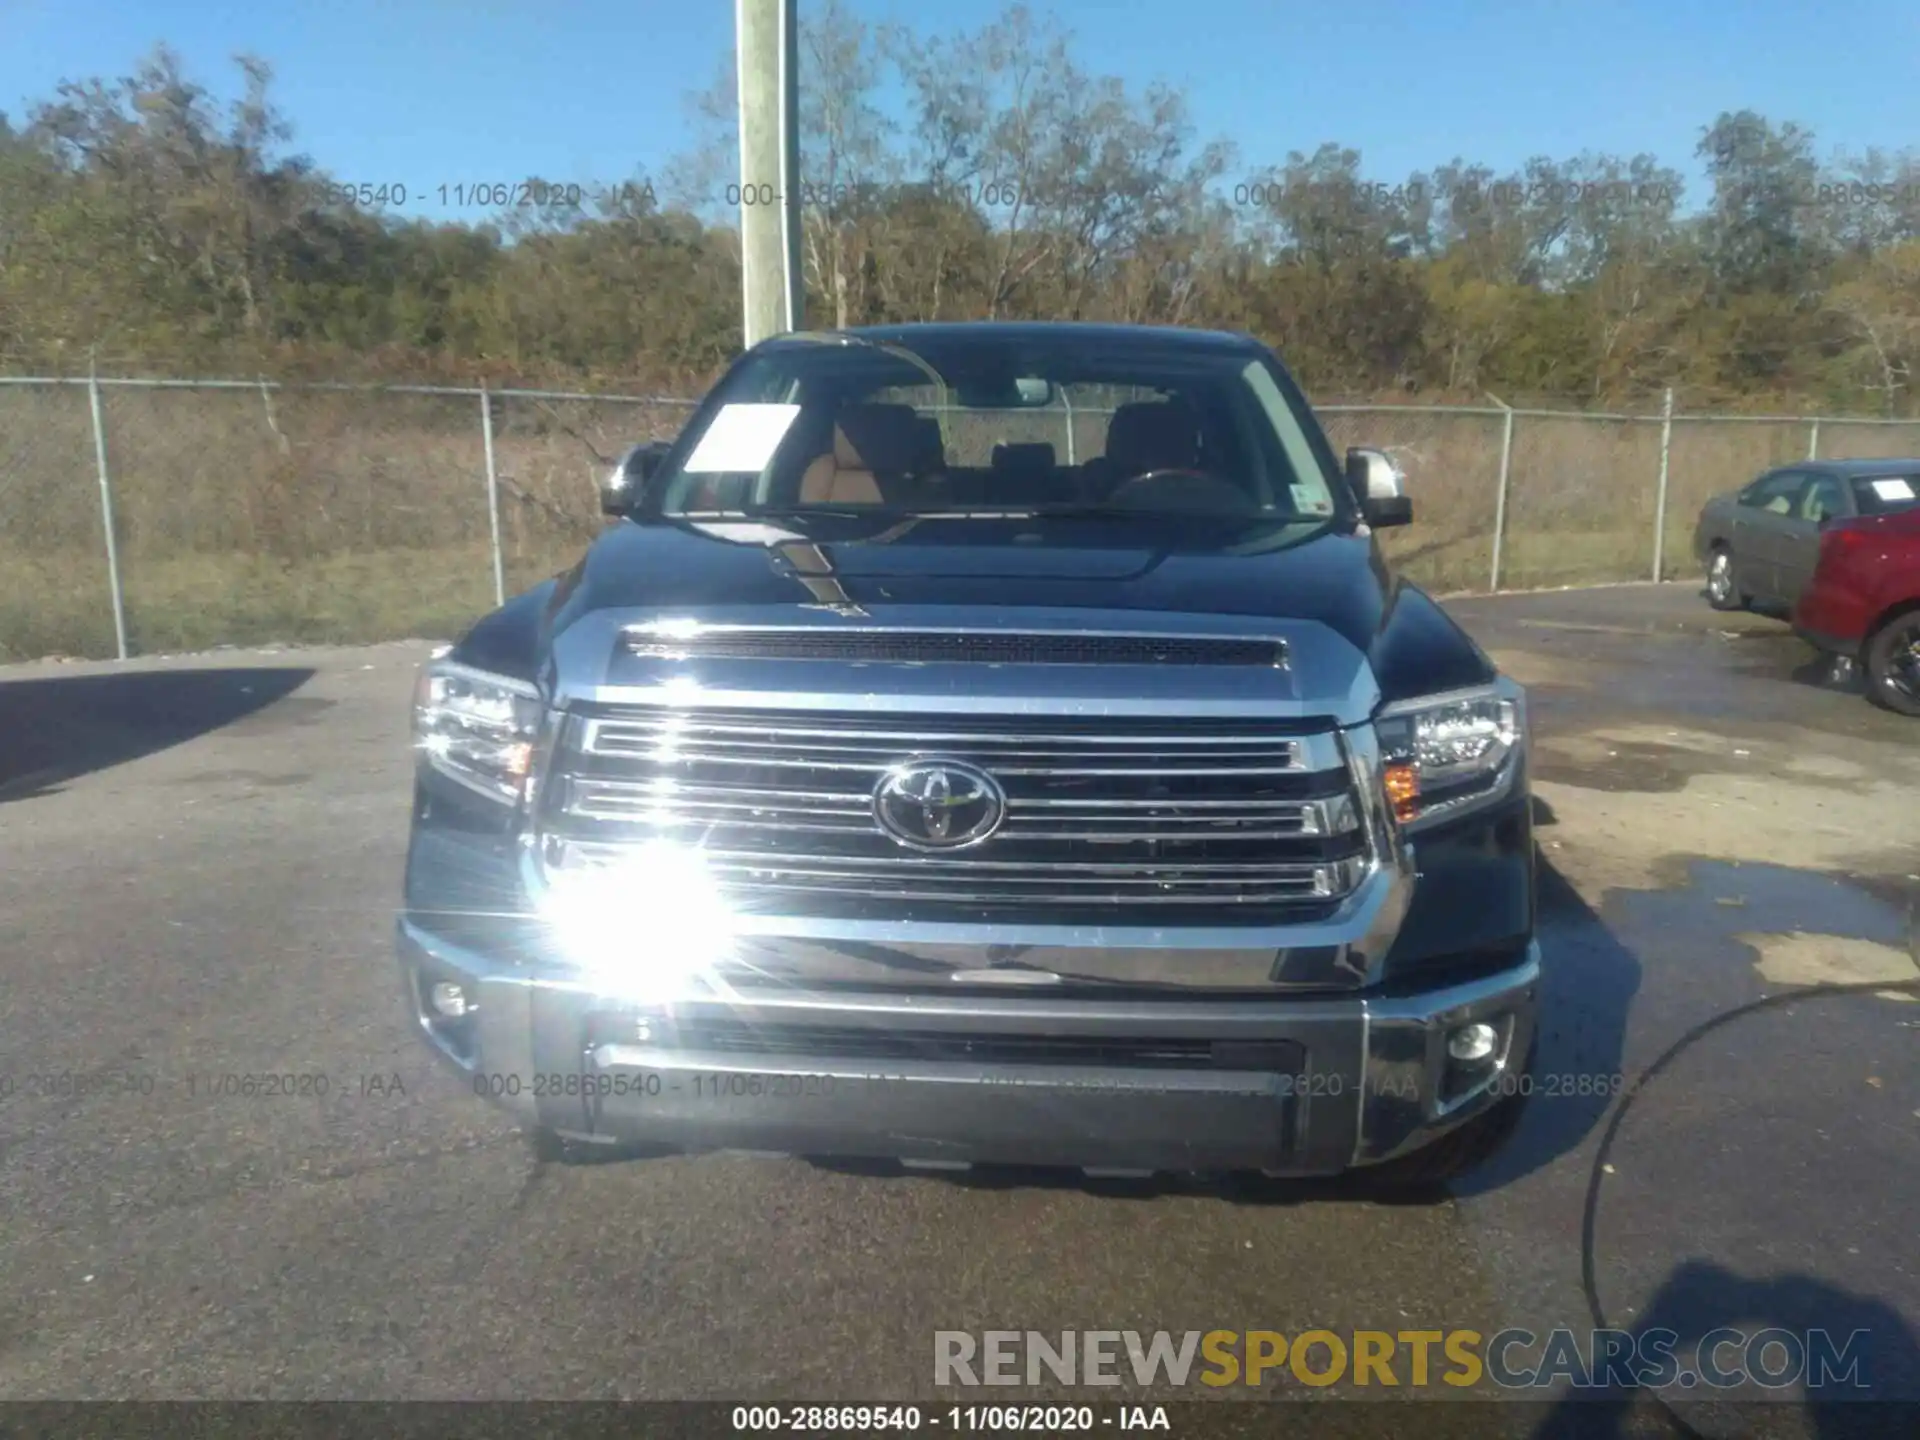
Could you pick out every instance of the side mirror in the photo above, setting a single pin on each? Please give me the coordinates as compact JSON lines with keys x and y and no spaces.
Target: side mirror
{"x":1379,"y":487}
{"x":632,"y":471}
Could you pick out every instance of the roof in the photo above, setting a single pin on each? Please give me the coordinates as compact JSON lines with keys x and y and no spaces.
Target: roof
{"x":1863,"y":469}
{"x":1143,"y":337}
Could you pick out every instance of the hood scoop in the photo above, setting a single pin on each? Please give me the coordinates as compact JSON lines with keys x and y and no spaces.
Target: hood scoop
{"x":919,"y":646}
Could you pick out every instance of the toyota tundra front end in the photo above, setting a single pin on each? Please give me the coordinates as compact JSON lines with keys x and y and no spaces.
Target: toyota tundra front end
{"x":984,"y":743}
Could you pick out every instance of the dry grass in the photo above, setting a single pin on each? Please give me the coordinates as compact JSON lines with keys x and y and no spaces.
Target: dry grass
{"x":245,"y":517}
{"x":60,"y":604}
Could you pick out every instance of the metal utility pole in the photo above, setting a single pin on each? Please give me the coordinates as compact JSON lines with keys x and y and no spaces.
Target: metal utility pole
{"x":1660,"y":494}
{"x":771,"y":289}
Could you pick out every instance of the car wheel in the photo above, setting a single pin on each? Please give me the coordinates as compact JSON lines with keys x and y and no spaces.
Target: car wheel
{"x":550,"y":1147}
{"x":1893,"y":664}
{"x":1723,"y":582}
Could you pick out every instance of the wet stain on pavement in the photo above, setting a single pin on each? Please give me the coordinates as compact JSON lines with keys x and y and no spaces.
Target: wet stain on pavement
{"x":1774,"y":899}
{"x":1625,"y":766}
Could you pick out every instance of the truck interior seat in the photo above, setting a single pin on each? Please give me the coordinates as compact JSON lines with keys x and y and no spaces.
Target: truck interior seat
{"x":1145,"y":435}
{"x":1029,"y":474}
{"x":875,"y":447}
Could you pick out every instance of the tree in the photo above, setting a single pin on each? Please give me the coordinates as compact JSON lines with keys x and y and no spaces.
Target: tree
{"x":1759,"y":232}
{"x":984,"y":171}
{"x":1880,"y":306}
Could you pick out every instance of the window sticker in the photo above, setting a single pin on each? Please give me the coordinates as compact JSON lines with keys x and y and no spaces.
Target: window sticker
{"x":741,"y":438}
{"x":1310,"y":501}
{"x":1895,"y":489}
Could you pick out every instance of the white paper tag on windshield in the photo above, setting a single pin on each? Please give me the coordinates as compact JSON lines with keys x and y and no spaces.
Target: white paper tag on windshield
{"x":1309,"y":501}
{"x":1896,"y":489}
{"x":741,"y":438}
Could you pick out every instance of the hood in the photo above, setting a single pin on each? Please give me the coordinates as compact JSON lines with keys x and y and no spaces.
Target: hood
{"x":1329,"y":591}
{"x":1262,"y":571}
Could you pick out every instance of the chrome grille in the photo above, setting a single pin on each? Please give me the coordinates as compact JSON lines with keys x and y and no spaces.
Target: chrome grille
{"x":1230,"y":815}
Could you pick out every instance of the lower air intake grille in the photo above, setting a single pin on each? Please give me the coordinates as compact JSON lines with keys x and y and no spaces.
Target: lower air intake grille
{"x":738,"y":1037}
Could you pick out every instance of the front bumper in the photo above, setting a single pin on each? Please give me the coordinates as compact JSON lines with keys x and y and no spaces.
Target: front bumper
{"x":1307,"y":1086}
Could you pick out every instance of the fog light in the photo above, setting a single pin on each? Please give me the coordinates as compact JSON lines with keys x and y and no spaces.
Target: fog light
{"x":449,"y":999}
{"x":1472,"y":1042}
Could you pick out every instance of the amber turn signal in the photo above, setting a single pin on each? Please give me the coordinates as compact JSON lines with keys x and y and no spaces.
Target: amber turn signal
{"x":1403,"y":789}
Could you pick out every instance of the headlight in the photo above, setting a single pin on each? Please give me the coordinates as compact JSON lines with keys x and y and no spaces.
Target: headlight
{"x":476,"y":727}
{"x":1444,"y":754}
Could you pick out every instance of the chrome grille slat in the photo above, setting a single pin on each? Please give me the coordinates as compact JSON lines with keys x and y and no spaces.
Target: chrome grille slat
{"x":1019,"y":803}
{"x":791,"y":762}
{"x":1128,"y":812}
{"x":1141,"y":770}
{"x":1166,"y":760}
{"x":928,"y":865}
{"x":1021,"y":809}
{"x":746,"y":796}
{"x":860,"y":826}
{"x":771,"y":811}
{"x":1113,"y":870}
{"x":645,"y":738}
{"x":677,"y":726}
{"x":1001,"y":897}
{"x":597,"y":799}
{"x":1260,"y":885}
{"x":1130,"y":837}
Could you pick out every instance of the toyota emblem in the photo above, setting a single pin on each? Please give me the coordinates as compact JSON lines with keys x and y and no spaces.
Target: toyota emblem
{"x":938,"y":804}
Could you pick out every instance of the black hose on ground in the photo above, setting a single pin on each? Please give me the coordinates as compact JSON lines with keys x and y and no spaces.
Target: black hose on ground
{"x":1589,"y":1282}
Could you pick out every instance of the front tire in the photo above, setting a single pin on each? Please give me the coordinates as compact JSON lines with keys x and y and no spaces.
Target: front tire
{"x":1723,"y":581}
{"x":550,"y":1147}
{"x":1893,"y":664}
{"x":547,"y":1146}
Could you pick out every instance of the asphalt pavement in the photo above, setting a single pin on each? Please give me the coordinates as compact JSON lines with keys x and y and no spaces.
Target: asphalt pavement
{"x":199,"y":864}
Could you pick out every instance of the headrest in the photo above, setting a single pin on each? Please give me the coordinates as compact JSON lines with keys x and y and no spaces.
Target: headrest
{"x":932,"y":447}
{"x":879,"y":437}
{"x":1026,"y":456}
{"x":1153,"y":435}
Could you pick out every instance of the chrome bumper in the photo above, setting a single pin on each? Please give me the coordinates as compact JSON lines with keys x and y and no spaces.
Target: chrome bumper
{"x":1306,"y":1085}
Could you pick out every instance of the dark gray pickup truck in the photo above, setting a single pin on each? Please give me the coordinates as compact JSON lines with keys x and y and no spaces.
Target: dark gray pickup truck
{"x":984,"y":743}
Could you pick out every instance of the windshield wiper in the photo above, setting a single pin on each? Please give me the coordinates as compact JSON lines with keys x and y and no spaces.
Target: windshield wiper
{"x":1096,"y":510}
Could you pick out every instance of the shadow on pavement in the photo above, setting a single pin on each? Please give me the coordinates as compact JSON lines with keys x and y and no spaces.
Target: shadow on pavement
{"x":1589,"y":978}
{"x":1856,"y":1357}
{"x":57,"y":727}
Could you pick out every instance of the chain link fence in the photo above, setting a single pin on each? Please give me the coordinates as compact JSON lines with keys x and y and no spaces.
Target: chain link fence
{"x":141,"y":516}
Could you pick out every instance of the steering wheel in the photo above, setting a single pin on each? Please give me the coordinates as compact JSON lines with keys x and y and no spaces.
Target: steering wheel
{"x":1198,"y":491}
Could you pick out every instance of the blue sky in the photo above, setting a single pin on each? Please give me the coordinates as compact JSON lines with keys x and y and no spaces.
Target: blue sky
{"x":433,"y":92}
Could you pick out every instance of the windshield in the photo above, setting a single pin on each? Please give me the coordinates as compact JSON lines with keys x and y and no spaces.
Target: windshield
{"x":991,"y":427}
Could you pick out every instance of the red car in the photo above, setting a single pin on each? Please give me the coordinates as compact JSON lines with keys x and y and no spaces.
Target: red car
{"x":1863,"y":599}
